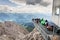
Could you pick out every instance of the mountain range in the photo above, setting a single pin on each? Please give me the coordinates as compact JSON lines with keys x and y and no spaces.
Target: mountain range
{"x":23,"y":18}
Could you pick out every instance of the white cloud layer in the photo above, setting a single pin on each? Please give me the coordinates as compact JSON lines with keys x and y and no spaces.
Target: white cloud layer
{"x":5,"y":8}
{"x":23,"y":8}
{"x":33,"y":9}
{"x":32,"y":2}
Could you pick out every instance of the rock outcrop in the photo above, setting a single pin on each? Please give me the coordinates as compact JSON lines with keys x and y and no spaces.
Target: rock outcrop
{"x":34,"y":35}
{"x":12,"y":31}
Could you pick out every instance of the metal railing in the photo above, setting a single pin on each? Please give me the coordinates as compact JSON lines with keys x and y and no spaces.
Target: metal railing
{"x":47,"y":35}
{"x":40,"y":29}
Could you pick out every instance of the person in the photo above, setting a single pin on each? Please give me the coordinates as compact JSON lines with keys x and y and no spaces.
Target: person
{"x":33,"y":19}
{"x":37,"y":20}
{"x":50,"y":28}
{"x":46,"y":23}
{"x":42,"y":21}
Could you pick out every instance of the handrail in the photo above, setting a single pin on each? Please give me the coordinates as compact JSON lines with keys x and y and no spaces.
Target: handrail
{"x":45,"y":36}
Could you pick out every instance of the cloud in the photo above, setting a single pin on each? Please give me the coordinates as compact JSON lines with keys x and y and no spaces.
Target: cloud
{"x":32,"y":2}
{"x":18,"y":2}
{"x":5,"y":8}
{"x":40,"y":2}
{"x":23,"y":8}
{"x":26,"y":9}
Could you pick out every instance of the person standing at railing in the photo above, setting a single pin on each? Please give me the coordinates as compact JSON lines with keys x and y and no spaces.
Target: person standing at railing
{"x":42,"y":21}
{"x":46,"y":23}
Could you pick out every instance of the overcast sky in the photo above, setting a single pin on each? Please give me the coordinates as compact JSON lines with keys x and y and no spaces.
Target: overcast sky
{"x":26,"y":6}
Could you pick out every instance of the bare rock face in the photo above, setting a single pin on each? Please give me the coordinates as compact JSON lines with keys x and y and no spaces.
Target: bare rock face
{"x":56,"y":37}
{"x":12,"y":31}
{"x":34,"y":35}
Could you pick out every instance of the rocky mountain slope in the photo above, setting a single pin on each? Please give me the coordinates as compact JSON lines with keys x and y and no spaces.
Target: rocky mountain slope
{"x":12,"y":31}
{"x":34,"y":35}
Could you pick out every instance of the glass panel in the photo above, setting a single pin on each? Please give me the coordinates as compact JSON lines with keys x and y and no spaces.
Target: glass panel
{"x":57,"y":11}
